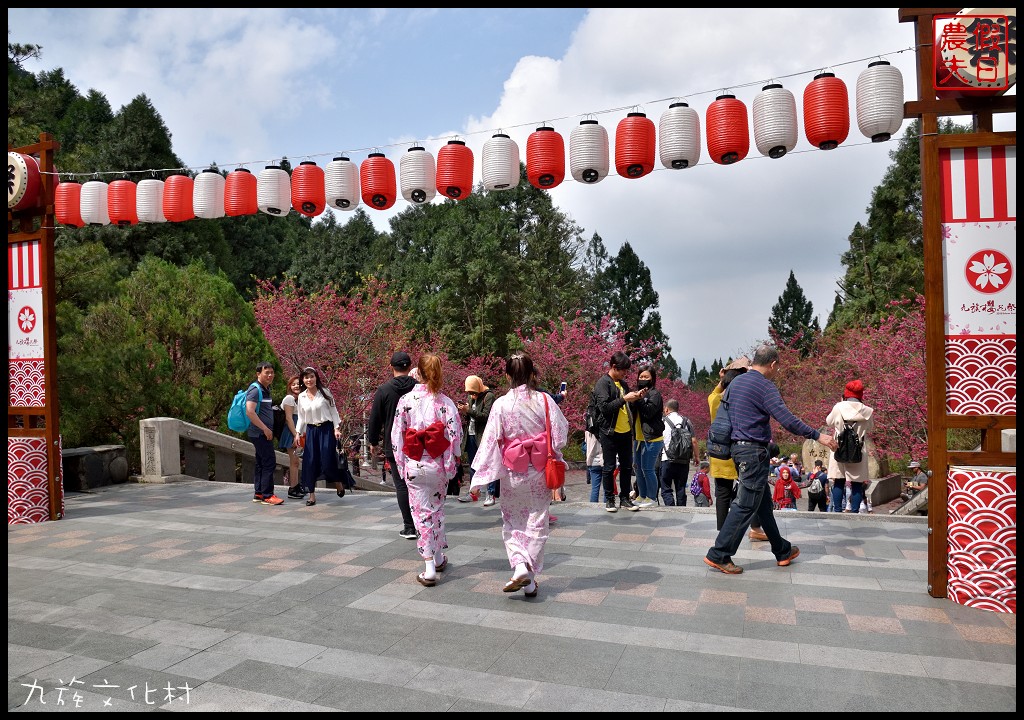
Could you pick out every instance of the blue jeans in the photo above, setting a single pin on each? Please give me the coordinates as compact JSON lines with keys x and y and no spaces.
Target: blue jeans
{"x":838,"y":494}
{"x":753,"y":499}
{"x":856,"y":496}
{"x":594,"y":473}
{"x":644,"y":457}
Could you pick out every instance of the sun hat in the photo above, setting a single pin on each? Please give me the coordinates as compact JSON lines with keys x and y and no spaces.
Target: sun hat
{"x":915,"y":464}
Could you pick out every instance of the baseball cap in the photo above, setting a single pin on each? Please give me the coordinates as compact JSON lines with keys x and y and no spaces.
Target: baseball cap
{"x":401,"y":360}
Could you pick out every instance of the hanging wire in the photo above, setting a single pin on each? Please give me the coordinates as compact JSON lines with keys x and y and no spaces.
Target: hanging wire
{"x":622,"y":108}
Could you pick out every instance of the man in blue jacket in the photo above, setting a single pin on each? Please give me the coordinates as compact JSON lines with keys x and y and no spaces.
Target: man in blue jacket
{"x":753,"y":402}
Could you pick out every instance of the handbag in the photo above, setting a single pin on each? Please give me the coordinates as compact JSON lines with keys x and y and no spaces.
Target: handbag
{"x":720,"y":433}
{"x":554,"y":470}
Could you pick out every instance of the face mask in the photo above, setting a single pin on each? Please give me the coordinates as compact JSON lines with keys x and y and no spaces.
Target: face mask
{"x":643,"y":383}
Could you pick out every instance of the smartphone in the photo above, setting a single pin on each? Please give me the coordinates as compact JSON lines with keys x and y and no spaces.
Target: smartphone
{"x":561,"y":388}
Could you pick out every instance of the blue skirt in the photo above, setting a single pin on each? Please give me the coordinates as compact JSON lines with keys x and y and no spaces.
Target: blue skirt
{"x":287,"y":439}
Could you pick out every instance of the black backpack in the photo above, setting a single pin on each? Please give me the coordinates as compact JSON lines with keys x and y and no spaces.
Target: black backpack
{"x":278,"y":421}
{"x":680,"y":445}
{"x":851,"y":447}
{"x":720,"y":432}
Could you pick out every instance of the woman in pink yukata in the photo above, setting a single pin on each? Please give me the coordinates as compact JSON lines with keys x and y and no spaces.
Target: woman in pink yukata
{"x":514,"y":450}
{"x":426,"y":437}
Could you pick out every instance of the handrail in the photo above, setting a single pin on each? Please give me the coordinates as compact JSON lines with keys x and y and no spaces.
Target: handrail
{"x":173,"y":449}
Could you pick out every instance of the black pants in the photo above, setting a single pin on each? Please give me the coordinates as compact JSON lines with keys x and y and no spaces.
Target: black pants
{"x":817,"y":502}
{"x":401,"y":490}
{"x":617,"y":446}
{"x":725,"y":493}
{"x":673,"y":483}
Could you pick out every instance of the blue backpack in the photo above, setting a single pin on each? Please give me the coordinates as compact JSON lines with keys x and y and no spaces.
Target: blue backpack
{"x":238,"y":419}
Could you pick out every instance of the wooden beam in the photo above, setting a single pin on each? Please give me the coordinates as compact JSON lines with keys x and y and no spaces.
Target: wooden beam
{"x":957,"y":106}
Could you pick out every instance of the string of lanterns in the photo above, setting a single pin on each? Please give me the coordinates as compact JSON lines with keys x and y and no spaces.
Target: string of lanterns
{"x":342,"y":184}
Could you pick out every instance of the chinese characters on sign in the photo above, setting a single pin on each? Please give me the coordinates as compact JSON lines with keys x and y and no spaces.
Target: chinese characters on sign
{"x":975,"y":54}
{"x":68,"y":696}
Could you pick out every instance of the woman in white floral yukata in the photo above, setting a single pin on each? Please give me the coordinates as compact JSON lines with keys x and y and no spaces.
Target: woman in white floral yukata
{"x":426,"y":437}
{"x":514,"y":450}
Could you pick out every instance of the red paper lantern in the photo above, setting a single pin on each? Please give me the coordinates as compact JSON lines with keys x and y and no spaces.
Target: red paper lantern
{"x":455,"y":170}
{"x":727,"y":131}
{"x":635,"y":143}
{"x":67,"y":199}
{"x":309,"y":195}
{"x":240,"y":193}
{"x":121,"y":207}
{"x":826,"y":111}
{"x":545,"y":158}
{"x":377,"y":183}
{"x":178,"y":191}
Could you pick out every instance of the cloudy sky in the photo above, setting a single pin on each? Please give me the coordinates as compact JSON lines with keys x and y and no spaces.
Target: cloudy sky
{"x":248,"y":87}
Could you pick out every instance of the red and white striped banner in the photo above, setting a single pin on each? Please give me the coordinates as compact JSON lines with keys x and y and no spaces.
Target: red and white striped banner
{"x":979,"y":184}
{"x":23,"y":269}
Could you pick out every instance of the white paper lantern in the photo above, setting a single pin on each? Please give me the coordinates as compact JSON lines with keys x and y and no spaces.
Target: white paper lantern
{"x":679,"y":137}
{"x":208,"y":195}
{"x":880,"y":101}
{"x":775,"y":130}
{"x":588,"y":152}
{"x":94,"y":203}
{"x":149,"y":201}
{"x":274,"y":191}
{"x":341,"y":181}
{"x":500,"y":163}
{"x":419,"y":175}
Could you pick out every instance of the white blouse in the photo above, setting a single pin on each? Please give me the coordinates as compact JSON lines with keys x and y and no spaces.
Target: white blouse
{"x":316,"y":411}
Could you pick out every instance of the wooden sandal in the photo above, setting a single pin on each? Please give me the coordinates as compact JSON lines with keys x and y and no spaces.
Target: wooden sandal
{"x":425,"y":581}
{"x":516,"y":584}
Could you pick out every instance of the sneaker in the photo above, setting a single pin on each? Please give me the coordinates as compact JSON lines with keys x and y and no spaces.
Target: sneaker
{"x":794,"y":553}
{"x":295,"y":493}
{"x":408,"y":532}
{"x":469,"y":497}
{"x":272,"y":500}
{"x":758,"y":535}
{"x":727,"y":567}
{"x":627,"y":504}
{"x":609,"y":506}
{"x":489,"y":501}
{"x":257,"y":498}
{"x":646,"y":503}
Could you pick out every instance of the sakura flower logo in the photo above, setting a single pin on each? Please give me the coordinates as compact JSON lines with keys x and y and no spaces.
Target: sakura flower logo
{"x":988,"y":271}
{"x":26,"y":319}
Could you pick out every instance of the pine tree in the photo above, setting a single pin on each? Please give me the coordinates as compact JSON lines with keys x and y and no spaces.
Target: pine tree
{"x":792,"y":317}
{"x":691,"y":379}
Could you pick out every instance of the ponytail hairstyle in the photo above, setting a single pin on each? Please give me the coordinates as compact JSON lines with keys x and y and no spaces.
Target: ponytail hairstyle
{"x":319,"y":385}
{"x":429,"y":367}
{"x":520,"y":371}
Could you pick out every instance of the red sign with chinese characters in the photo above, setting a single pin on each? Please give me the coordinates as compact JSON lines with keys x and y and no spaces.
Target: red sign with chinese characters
{"x":975,"y":54}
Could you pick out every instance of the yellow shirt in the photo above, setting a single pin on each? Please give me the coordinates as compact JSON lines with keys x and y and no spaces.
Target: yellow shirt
{"x":720,"y":469}
{"x":622,"y":421}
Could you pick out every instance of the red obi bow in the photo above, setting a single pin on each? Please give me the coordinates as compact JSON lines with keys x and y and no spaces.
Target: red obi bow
{"x":520,"y":453}
{"x":430,"y":439}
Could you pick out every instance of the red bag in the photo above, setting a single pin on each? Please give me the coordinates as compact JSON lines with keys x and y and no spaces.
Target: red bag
{"x":554,"y":470}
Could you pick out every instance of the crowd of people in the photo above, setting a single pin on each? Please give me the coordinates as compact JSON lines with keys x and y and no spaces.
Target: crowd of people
{"x":638,"y":450}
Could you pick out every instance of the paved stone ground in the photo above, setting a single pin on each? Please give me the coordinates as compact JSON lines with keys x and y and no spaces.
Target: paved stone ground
{"x":143,"y":591}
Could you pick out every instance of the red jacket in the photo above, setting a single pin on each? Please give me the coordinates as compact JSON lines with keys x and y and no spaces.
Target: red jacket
{"x":783,"y":483}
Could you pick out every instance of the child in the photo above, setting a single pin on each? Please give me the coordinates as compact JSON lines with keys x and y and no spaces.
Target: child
{"x":702,"y":479}
{"x":787,"y":491}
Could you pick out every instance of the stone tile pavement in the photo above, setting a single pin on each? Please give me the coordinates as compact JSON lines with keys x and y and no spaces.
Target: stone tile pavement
{"x":188,"y":596}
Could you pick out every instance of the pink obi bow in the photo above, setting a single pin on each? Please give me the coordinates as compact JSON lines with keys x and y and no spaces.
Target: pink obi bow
{"x":430,"y":439}
{"x":520,"y":453}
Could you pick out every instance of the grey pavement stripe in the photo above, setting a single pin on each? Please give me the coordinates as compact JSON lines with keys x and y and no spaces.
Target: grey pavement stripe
{"x":743,"y":647}
{"x":213,"y":697}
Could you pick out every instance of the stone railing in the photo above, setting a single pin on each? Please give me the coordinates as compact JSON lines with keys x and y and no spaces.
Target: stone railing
{"x":174,"y":450}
